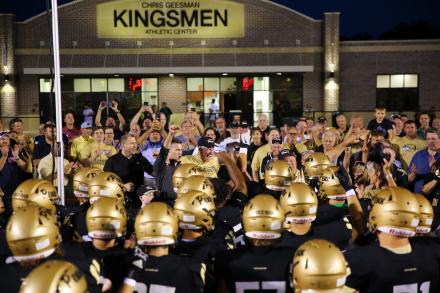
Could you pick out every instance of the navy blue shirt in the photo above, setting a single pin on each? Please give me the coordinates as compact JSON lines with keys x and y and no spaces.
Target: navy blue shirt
{"x":421,"y":161}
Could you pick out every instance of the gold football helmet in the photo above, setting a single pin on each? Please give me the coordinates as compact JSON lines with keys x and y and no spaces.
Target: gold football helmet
{"x":32,"y":233}
{"x":315,"y":164}
{"x":35,"y":191}
{"x":195,"y":210}
{"x":55,"y":276}
{"x":82,"y":179}
{"x":106,"y":218}
{"x":426,"y":214}
{"x":263,"y":217}
{"x":318,"y":265}
{"x":197,"y":183}
{"x":156,"y":224}
{"x":106,"y":184}
{"x":299,"y":203}
{"x":184,"y":171}
{"x":278,"y":175}
{"x":329,"y":185}
{"x":395,"y":211}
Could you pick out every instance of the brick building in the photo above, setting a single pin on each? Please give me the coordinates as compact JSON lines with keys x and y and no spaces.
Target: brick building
{"x":247,"y":55}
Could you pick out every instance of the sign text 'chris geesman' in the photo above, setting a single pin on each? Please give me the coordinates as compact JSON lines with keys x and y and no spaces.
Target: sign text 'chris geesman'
{"x":170,"y":19}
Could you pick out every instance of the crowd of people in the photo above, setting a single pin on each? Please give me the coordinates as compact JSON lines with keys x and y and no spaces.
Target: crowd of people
{"x":152,"y":206}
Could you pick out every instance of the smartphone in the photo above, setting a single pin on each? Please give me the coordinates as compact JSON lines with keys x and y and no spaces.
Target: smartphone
{"x":145,"y":103}
{"x":103,"y":104}
{"x":193,"y":109}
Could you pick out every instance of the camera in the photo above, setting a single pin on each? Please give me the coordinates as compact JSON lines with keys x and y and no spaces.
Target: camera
{"x":377,"y":154}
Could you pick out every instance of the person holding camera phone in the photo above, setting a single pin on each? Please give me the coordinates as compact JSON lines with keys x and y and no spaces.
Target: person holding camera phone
{"x":110,"y":121}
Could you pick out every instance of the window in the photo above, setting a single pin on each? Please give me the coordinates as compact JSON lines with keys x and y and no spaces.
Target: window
{"x":81,"y":85}
{"x":115,"y":84}
{"x":99,"y":84}
{"x":397,"y":81}
{"x":149,"y":91}
{"x":397,"y":91}
{"x":45,"y":85}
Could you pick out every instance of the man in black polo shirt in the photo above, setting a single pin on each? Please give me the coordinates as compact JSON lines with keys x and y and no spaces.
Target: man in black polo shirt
{"x":44,"y":145}
{"x":130,"y":167}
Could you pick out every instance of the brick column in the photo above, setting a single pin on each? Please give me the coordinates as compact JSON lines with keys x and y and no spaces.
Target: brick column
{"x":8,"y":92}
{"x":331,"y":61}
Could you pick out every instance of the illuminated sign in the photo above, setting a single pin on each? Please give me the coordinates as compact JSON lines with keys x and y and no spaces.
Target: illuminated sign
{"x":170,"y":19}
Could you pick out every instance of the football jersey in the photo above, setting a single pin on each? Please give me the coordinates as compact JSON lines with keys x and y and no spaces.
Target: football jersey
{"x":115,"y":262}
{"x":377,"y":269}
{"x":228,"y":226}
{"x":13,"y":272}
{"x":202,"y":249}
{"x":165,"y":274}
{"x":338,"y":232}
{"x":255,"y":269}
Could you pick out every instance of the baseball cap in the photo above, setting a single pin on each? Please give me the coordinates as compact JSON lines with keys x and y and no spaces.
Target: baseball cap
{"x":277,"y":140}
{"x":146,"y":189}
{"x":395,"y":115}
{"x":205,"y":142}
{"x":244,"y":124}
{"x":86,"y":124}
{"x":322,"y":119}
{"x":235,"y":124}
{"x":286,"y":153}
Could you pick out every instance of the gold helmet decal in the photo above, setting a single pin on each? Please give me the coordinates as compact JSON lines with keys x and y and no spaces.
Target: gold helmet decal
{"x":426,"y":214}
{"x":184,"y":171}
{"x":277,"y":175}
{"x":299,"y":203}
{"x":263,"y":217}
{"x":395,"y":211}
{"x":329,"y":185}
{"x":106,"y":218}
{"x":106,"y":184}
{"x":197,"y":183}
{"x":82,"y":179}
{"x":318,"y":265}
{"x":35,"y":191}
{"x":315,"y":164}
{"x":55,"y":276}
{"x":156,"y":224}
{"x":32,"y":233}
{"x":195,"y":210}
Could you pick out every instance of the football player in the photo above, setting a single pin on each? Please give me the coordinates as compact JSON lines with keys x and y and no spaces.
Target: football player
{"x":260,"y":266}
{"x":81,"y":181}
{"x":154,"y":269}
{"x":396,"y":263}
{"x":33,"y":237}
{"x":106,"y":221}
{"x":195,"y":211}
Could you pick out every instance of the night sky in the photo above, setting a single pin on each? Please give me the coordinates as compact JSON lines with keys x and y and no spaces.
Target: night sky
{"x":367,"y":16}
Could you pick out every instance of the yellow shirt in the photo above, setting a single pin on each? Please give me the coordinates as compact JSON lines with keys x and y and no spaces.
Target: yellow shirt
{"x":80,"y":148}
{"x":408,"y":148}
{"x":259,"y":155}
{"x":210,"y":168}
{"x":105,"y":152}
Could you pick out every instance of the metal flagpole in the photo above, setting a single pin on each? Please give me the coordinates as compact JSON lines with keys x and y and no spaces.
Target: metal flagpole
{"x":58,"y":111}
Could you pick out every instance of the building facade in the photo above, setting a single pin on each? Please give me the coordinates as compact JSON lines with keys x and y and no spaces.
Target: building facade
{"x":252,"y":56}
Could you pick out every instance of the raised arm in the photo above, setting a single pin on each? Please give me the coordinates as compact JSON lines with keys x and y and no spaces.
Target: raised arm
{"x":121,"y":118}
{"x":99,"y":113}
